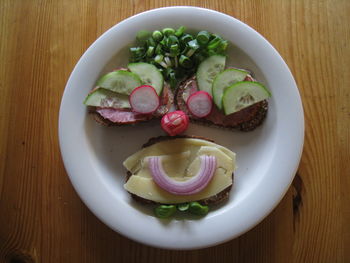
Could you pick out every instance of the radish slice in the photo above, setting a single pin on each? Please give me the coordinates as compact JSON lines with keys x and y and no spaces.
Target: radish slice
{"x":200,"y":104}
{"x":189,"y":187}
{"x":144,"y":99}
{"x":175,"y":122}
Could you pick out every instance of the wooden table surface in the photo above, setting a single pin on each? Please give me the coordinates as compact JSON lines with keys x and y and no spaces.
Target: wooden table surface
{"x":42,"y":218}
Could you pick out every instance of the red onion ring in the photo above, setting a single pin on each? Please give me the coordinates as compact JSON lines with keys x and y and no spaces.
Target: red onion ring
{"x":189,"y":187}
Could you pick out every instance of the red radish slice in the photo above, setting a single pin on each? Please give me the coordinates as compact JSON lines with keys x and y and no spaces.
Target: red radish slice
{"x":144,"y":99}
{"x":175,"y":122}
{"x":200,"y":104}
{"x":192,"y":186}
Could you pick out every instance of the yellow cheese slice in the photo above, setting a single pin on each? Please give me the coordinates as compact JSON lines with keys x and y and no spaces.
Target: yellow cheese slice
{"x":179,"y":145}
{"x":148,"y":189}
{"x":181,"y":161}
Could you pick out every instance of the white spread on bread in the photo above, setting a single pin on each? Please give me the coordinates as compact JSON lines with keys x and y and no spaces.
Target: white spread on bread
{"x":180,"y":159}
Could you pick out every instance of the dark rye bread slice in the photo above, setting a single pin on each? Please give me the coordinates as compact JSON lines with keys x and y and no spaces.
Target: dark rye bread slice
{"x":245,"y":120}
{"x":213,"y":200}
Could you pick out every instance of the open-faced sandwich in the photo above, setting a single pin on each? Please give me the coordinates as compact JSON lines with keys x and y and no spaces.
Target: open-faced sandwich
{"x":180,"y":173}
{"x":128,"y":96}
{"x":227,"y":98}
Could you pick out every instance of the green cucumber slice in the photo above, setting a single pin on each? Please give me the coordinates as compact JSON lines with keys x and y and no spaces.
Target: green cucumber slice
{"x":223,"y":80}
{"x":105,"y":98}
{"x":120,"y":81}
{"x":207,"y":71}
{"x":149,"y":75}
{"x":243,"y":94}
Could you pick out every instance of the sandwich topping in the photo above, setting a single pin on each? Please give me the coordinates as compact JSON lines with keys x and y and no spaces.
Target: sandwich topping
{"x":180,"y":170}
{"x":188,"y":187}
{"x":216,"y":116}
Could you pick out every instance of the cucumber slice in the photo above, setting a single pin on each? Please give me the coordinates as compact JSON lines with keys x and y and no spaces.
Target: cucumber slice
{"x":207,"y":71}
{"x":243,"y":94}
{"x":105,"y":98}
{"x":149,"y":75}
{"x":120,"y":81}
{"x":223,"y":80}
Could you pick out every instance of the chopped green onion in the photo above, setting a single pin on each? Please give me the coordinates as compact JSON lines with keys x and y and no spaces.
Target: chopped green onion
{"x":165,"y":211}
{"x":186,"y":38}
{"x":190,"y":52}
{"x":158,"y":50}
{"x":174,"y":50}
{"x":176,"y":60}
{"x":150,"y":51}
{"x":185,"y":62}
{"x":222,"y":46}
{"x":158,"y":58}
{"x":193,"y":44}
{"x":168,"y":61}
{"x":198,"y":209}
{"x":203,"y":37}
{"x":172,"y":79}
{"x":183,"y":207}
{"x":163,"y":64}
{"x":179,"y":32}
{"x":214,"y":43}
{"x":136,"y":51}
{"x":142,"y":35}
{"x":150,"y":42}
{"x":157,"y":35}
{"x":176,"y":53}
{"x":168,"y":31}
{"x":171,"y":40}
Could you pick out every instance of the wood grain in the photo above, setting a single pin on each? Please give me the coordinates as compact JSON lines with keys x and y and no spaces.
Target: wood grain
{"x":41,"y":217}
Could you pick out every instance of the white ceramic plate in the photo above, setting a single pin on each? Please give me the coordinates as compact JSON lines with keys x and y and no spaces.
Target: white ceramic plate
{"x":267,"y":157}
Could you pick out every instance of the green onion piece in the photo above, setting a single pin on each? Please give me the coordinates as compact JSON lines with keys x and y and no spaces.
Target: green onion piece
{"x":176,"y":62}
{"x":172,"y":80}
{"x":150,"y":51}
{"x":167,"y":61}
{"x":137,"y":51}
{"x":171,"y":40}
{"x":157,"y":35}
{"x":193,"y":44}
{"x":186,"y":38}
{"x":185,"y":62}
{"x":164,"y":211}
{"x":198,"y":209}
{"x":168,"y":31}
{"x":183,"y":207}
{"x":159,"y":50}
{"x":214,"y":43}
{"x":222,"y":46}
{"x":142,"y":35}
{"x":163,"y":64}
{"x":179,"y":32}
{"x":174,"y":49}
{"x":150,"y":42}
{"x":203,"y":37}
{"x":159,"y":58}
{"x":211,"y":53}
{"x":190,"y":52}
